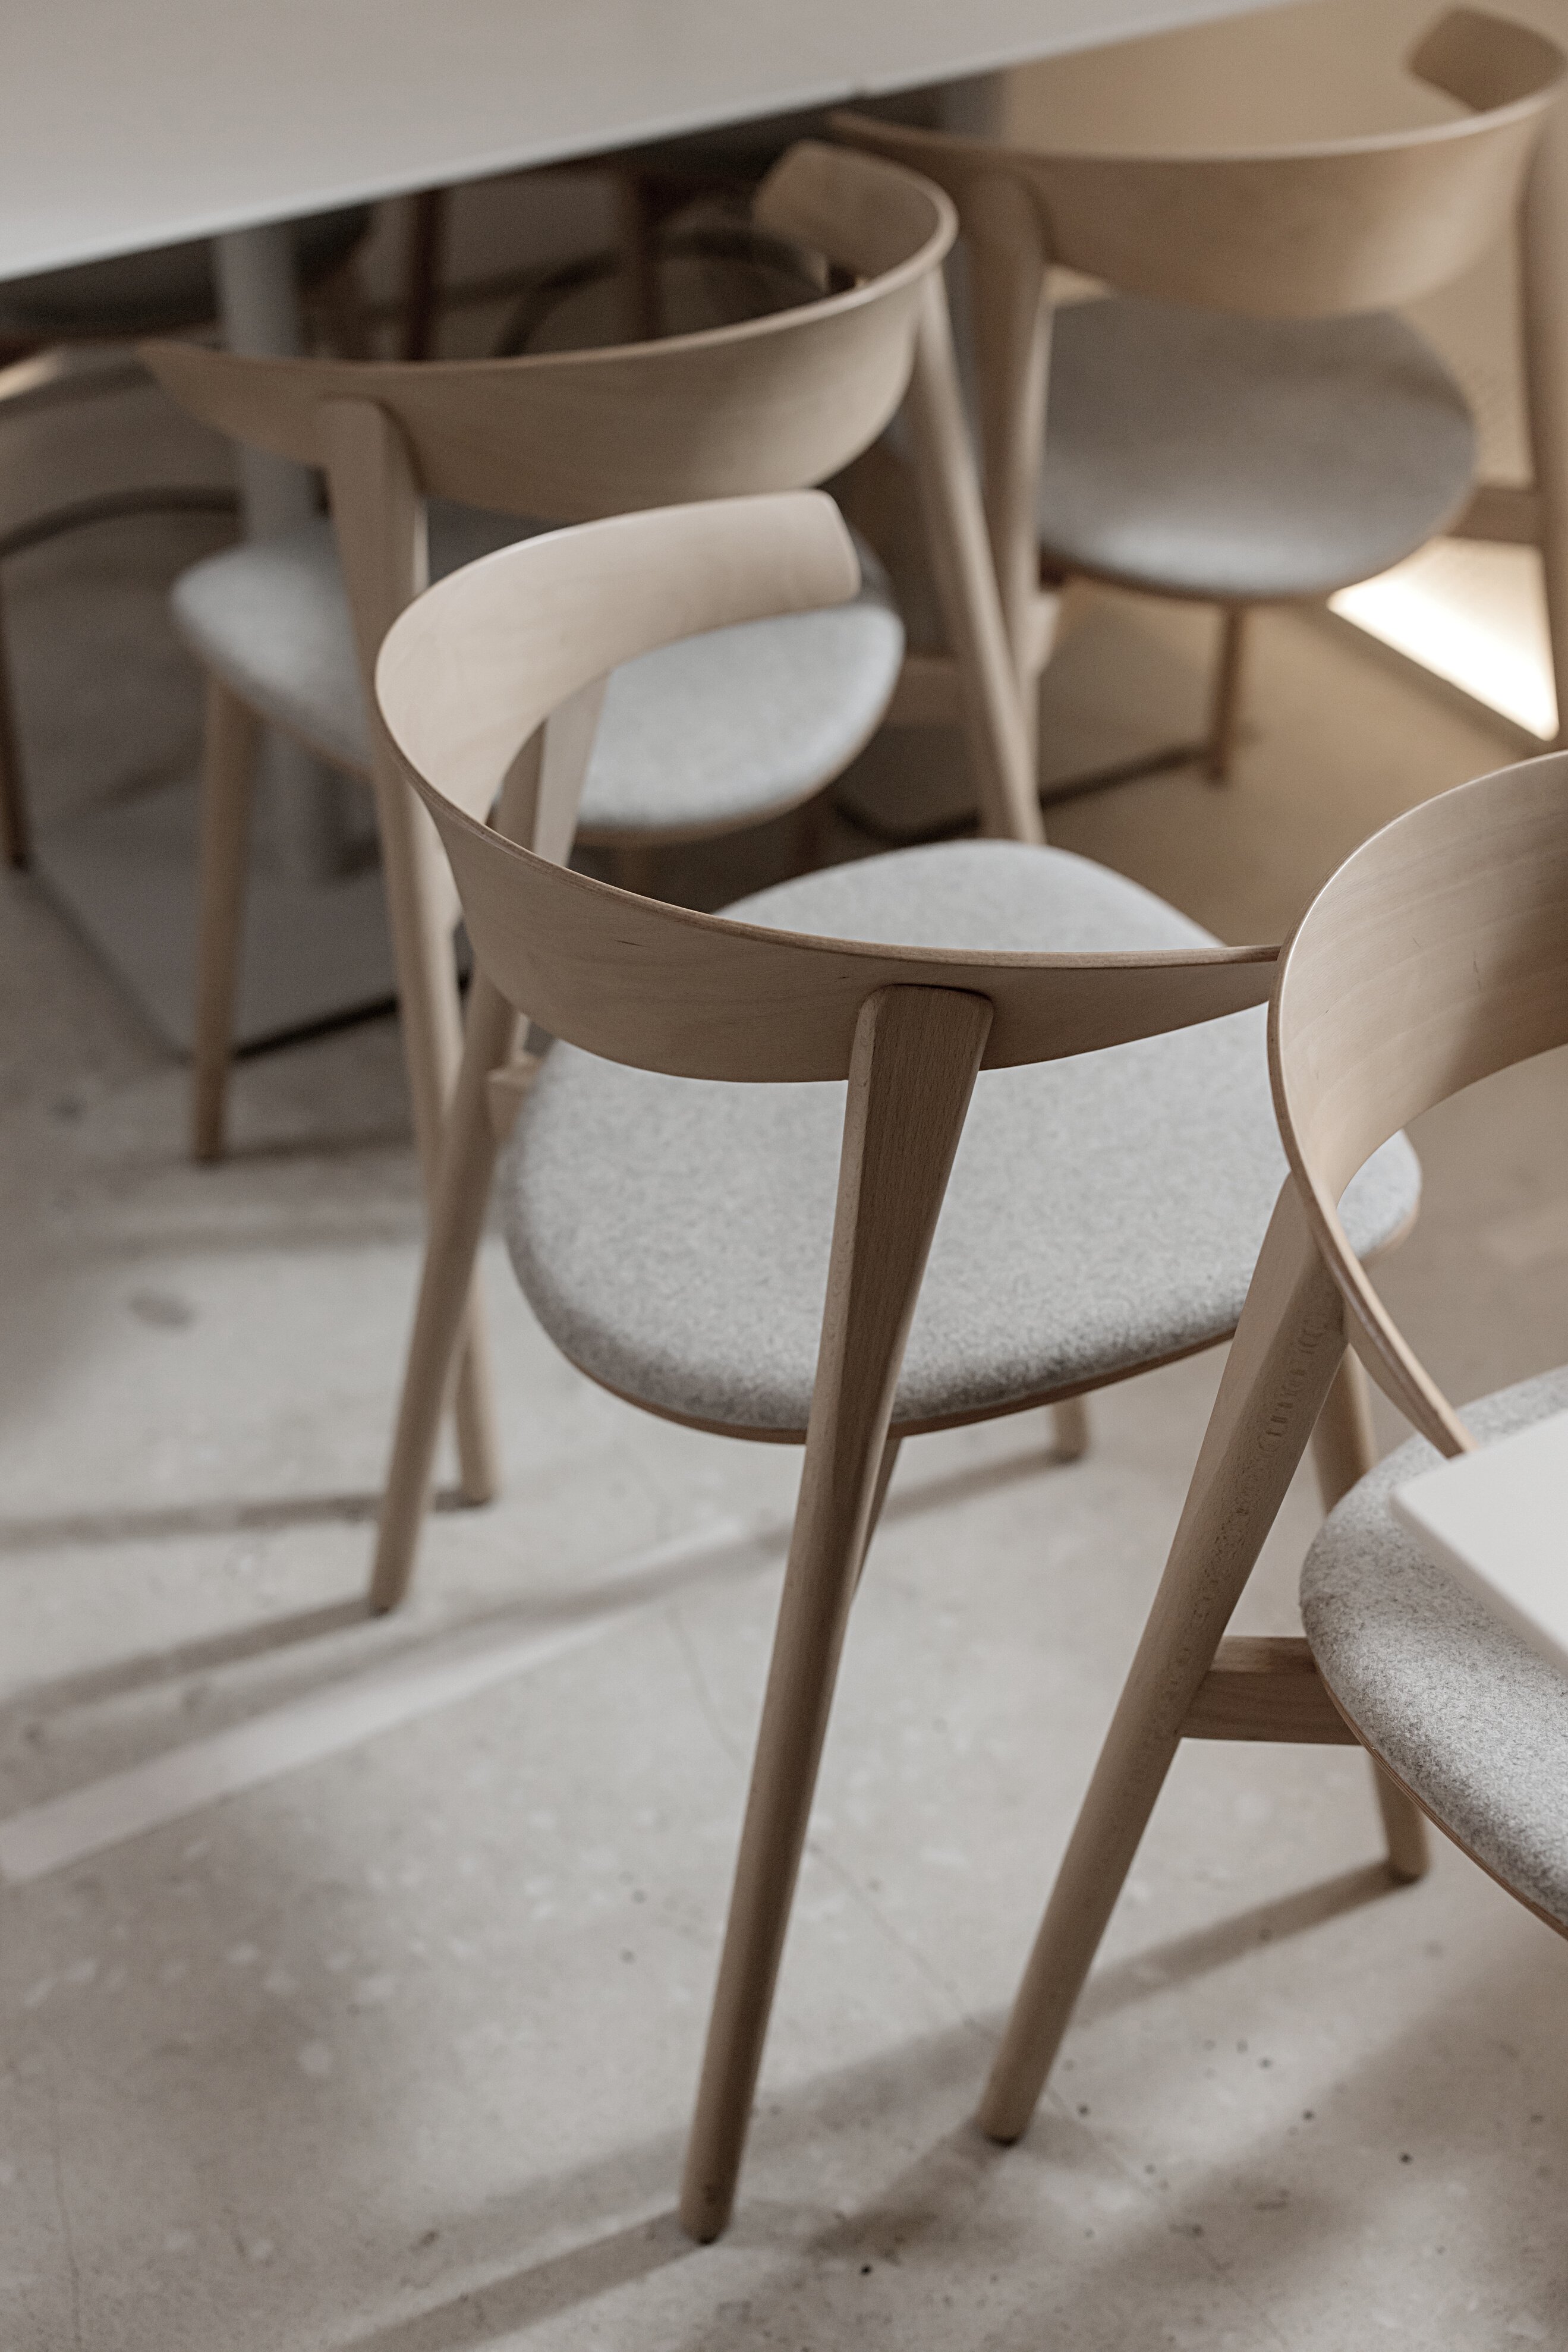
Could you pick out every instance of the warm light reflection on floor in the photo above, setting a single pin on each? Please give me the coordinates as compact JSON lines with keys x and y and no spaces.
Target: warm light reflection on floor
{"x":1473,"y":612}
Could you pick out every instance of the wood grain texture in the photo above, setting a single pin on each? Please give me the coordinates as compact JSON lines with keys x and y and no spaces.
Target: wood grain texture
{"x":380,"y":520}
{"x":469,"y":673}
{"x":1344,"y":1448}
{"x":1286,"y":1351}
{"x":1437,"y":954}
{"x":538,"y":804}
{"x":916,"y":1054}
{"x":1266,"y":1686}
{"x":1001,"y":742}
{"x":1361,"y":224}
{"x":774,"y":403}
{"x":1304,"y":232}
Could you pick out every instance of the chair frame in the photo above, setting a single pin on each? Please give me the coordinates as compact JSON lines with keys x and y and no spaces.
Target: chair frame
{"x":488,"y":690}
{"x":1297,"y":232}
{"x":1436,"y":955}
{"x":773,"y":403}
{"x":334,"y":297}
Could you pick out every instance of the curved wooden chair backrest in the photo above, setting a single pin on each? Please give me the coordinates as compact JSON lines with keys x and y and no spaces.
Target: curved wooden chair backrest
{"x":1436,"y":955}
{"x":1347,"y":225}
{"x":775,"y":403}
{"x":497,"y":660}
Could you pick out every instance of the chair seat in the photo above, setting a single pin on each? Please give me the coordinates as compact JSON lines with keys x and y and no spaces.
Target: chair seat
{"x":1105,"y":1212}
{"x":162,"y":292}
{"x":1466,"y":1714}
{"x":717,"y":731}
{"x":1245,"y":459}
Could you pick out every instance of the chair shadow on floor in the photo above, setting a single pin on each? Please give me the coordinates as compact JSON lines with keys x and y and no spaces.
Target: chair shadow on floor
{"x":122,"y":1677}
{"x":1140,"y":1974}
{"x":930,"y":2200}
{"x":172,"y":1523}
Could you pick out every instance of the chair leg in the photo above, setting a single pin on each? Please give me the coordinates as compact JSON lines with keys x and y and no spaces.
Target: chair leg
{"x":457,"y":1221}
{"x":1226,"y":711}
{"x":832,"y":1539}
{"x":376,"y":509}
{"x":344,"y":315}
{"x":1543,"y":286}
{"x":637,"y":223}
{"x":228,"y":778}
{"x":910,"y":1080}
{"x":1070,"y":1422}
{"x":432,"y":1048}
{"x":1282,"y":1360}
{"x":1343,"y":1451}
{"x":16,"y":834}
{"x":1005,"y":775}
{"x":422,"y":273}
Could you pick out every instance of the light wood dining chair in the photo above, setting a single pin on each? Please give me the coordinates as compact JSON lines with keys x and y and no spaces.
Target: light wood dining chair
{"x":1243,"y":421}
{"x":695,"y":740}
{"x":571,"y":433}
{"x":1436,"y":955}
{"x":743,"y":1115}
{"x":169,"y":291}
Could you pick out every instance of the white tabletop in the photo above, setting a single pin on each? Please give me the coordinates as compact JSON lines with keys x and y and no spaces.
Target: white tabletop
{"x":131,"y":124}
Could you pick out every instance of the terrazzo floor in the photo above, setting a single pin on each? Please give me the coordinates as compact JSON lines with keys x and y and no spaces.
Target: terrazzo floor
{"x":394,"y":2054}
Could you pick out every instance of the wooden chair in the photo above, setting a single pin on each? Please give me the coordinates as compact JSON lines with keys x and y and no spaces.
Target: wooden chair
{"x":1244,"y":422}
{"x":1436,"y":954}
{"x":671,"y":1192}
{"x":741,"y":727}
{"x":168,"y":291}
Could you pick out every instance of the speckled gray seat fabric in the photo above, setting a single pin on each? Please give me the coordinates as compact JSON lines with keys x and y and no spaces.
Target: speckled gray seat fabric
{"x":716,"y":730}
{"x":672,"y":1234}
{"x":1246,"y":458}
{"x":1464,"y":1711}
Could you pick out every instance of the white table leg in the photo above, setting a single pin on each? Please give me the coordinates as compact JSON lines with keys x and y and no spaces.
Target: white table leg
{"x":258,"y":307}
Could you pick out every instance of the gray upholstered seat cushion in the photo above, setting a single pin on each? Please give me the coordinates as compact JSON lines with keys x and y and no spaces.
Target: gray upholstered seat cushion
{"x":717,"y":731}
{"x":1466,"y":1712}
{"x":1242,"y":458}
{"x":672,"y":1234}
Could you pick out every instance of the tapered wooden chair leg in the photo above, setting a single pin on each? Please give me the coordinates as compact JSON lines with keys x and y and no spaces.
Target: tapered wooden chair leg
{"x":1225,"y":716}
{"x":377,"y":509}
{"x":228,"y":778}
{"x":457,"y":1221}
{"x":15,"y":834}
{"x":428,"y":1001}
{"x":1344,"y":1450}
{"x":909,"y":1082}
{"x":824,"y":1571}
{"x":1070,"y":1421}
{"x":965,"y":577}
{"x":637,"y":223}
{"x":1281,"y":1363}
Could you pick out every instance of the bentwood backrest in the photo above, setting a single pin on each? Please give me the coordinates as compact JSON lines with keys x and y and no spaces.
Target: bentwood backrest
{"x":772,"y":403}
{"x":517,"y":644}
{"x":1436,"y":955}
{"x":1346,"y":225}
{"x":1296,"y":232}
